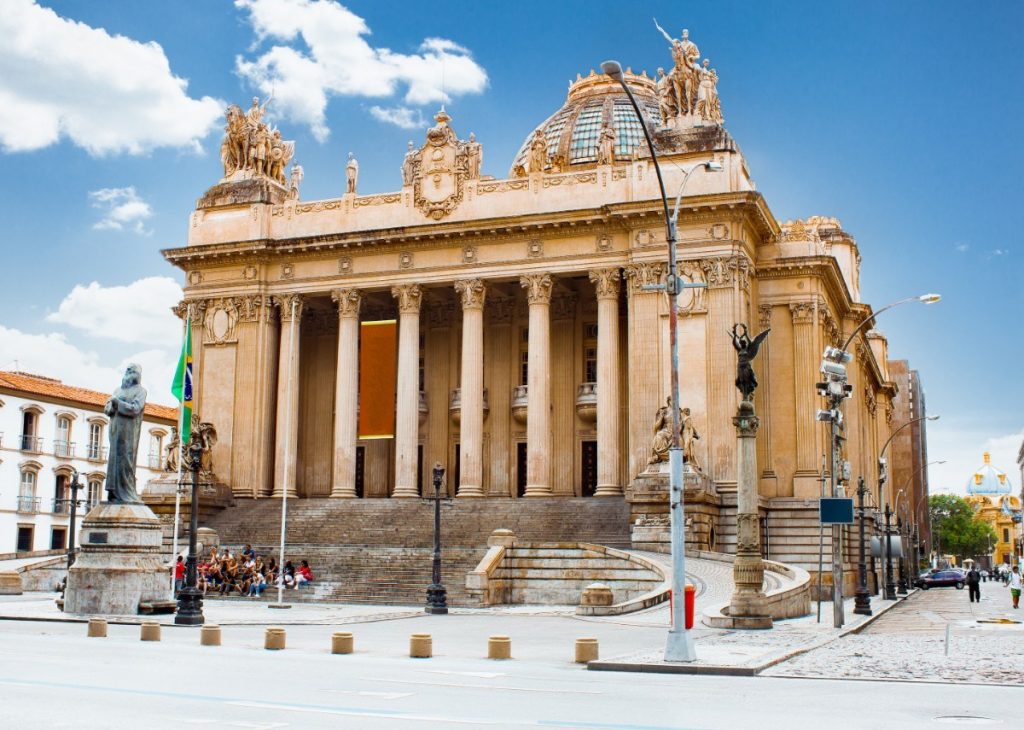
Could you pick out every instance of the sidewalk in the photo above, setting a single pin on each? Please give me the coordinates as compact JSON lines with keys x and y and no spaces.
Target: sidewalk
{"x":746,"y":653}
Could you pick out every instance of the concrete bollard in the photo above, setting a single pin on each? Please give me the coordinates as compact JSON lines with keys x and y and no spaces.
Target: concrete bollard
{"x":499,"y":647}
{"x":421,"y":646}
{"x":274,"y":638}
{"x":597,"y":594}
{"x":209,"y":635}
{"x":586,"y":650}
{"x":150,"y":631}
{"x":342,"y":642}
{"x":97,"y":628}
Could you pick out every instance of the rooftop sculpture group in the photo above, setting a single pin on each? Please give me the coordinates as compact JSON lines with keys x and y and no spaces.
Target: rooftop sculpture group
{"x":251,"y":146}
{"x":690,"y":89}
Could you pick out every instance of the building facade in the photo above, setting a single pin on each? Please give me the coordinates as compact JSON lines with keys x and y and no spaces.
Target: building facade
{"x":531,"y":345}
{"x":49,"y":431}
{"x":908,"y":452}
{"x":990,"y":493}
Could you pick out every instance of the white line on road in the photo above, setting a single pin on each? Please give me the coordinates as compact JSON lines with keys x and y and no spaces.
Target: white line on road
{"x":375,"y":714}
{"x":367,"y":693}
{"x":482,"y":675}
{"x":486,"y":686}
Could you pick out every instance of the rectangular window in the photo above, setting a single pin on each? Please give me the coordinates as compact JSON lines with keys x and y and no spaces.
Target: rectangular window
{"x":95,"y":487}
{"x":521,"y":468}
{"x":58,"y":538}
{"x":95,"y":441}
{"x":1006,"y":534}
{"x":524,"y":368}
{"x":25,"y":536}
{"x":589,"y":364}
{"x":28,"y":484}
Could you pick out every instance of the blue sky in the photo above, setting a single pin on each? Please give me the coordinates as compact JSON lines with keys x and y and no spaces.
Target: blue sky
{"x":901,"y":119}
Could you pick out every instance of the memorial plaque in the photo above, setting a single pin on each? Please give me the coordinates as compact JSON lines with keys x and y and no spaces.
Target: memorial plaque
{"x":98,"y":538}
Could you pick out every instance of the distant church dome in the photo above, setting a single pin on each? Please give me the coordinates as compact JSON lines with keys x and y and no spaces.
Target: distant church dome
{"x":988,"y":480}
{"x":594,"y":101}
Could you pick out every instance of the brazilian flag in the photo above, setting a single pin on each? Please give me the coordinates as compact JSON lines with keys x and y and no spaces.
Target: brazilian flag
{"x":182,"y":386}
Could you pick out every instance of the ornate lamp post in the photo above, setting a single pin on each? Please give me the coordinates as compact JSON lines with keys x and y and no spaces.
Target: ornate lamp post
{"x":901,"y":588}
{"x":890,"y":588}
{"x":74,"y":487}
{"x":862,"y":598}
{"x":190,"y":598}
{"x":437,"y":602}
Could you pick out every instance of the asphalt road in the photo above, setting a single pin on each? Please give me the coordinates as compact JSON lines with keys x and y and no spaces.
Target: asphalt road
{"x":52,"y":676}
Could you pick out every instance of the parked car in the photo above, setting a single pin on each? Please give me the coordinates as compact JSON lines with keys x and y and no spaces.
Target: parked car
{"x":941,"y":578}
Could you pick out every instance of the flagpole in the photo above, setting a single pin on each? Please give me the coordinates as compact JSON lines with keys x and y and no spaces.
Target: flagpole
{"x":287,"y":460}
{"x":177,"y":481}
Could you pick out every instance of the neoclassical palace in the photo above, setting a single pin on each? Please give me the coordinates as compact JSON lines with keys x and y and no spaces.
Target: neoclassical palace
{"x":528,"y":354}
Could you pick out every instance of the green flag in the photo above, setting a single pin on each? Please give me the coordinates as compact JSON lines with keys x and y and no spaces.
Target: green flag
{"x":182,"y":386}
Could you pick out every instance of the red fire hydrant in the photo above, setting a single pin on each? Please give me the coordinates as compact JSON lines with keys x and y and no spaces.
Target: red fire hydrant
{"x":689,"y":603}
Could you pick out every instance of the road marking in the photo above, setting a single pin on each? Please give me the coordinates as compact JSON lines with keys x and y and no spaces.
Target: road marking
{"x":486,"y":686}
{"x":482,"y":675}
{"x":376,"y":714}
{"x":381,"y":695}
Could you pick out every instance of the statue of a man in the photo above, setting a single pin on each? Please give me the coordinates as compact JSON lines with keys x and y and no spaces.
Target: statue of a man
{"x":296,"y":181}
{"x":124,"y":409}
{"x":352,"y":173}
{"x":667,"y":104}
{"x":708,"y":106}
{"x":475,"y":155}
{"x":688,"y":434}
{"x":172,"y":452}
{"x":537,"y":159}
{"x":606,"y":146}
{"x":746,"y":351}
{"x":408,"y":164}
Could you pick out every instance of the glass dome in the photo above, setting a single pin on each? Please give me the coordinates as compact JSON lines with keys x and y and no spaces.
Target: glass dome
{"x":594,"y":102}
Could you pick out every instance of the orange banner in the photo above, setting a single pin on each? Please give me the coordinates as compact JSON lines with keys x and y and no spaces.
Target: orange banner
{"x":378,"y":373}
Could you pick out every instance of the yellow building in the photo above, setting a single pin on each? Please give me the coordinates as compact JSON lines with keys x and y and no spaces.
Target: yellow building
{"x":989,"y":492}
{"x":528,"y":343}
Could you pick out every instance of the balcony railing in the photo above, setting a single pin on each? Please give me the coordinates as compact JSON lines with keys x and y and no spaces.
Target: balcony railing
{"x":95,"y":452}
{"x":61,"y":506}
{"x":31,"y":443}
{"x":64,"y":449}
{"x":28,"y":505}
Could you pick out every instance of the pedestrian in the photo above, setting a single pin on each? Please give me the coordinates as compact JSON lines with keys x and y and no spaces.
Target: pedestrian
{"x":179,"y":575}
{"x":974,"y":585}
{"x":1015,"y":586}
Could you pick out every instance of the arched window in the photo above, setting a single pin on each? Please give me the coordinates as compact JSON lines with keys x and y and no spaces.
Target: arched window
{"x":30,"y":439}
{"x":28,"y":503}
{"x":95,"y":490}
{"x":62,"y":446}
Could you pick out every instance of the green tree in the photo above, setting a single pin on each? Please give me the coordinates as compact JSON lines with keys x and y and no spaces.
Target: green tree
{"x":956,"y":528}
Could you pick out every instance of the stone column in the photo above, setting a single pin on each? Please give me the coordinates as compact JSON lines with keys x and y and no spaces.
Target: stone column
{"x":346,"y":393}
{"x":645,"y":387}
{"x":748,"y":568}
{"x":287,"y":431}
{"x":407,"y":416}
{"x":606,"y":282}
{"x":805,"y":374}
{"x":471,"y":435}
{"x":538,"y":381}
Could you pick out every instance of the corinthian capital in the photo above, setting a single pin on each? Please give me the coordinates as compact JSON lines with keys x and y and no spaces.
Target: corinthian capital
{"x":644,"y":274}
{"x":348,"y":301}
{"x":606,"y":283}
{"x":473,"y":293}
{"x":290,"y":306}
{"x":409,"y":297}
{"x":538,"y":287}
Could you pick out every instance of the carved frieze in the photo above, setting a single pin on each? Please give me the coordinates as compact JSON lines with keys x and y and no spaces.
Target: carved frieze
{"x":500,"y":310}
{"x":345,"y":265}
{"x":538,"y":287}
{"x":692,"y":299}
{"x":405,"y":260}
{"x":439,"y":313}
{"x":535,"y":249}
{"x":502,"y":187}
{"x":386,"y":199}
{"x":563,"y":306}
{"x":439,"y":171}
{"x":726,"y":272}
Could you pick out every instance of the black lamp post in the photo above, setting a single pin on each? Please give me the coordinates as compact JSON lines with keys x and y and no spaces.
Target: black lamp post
{"x":890,"y":587}
{"x":436,"y":594}
{"x":74,"y":486}
{"x":862,"y":598}
{"x":190,"y":598}
{"x":902,"y":589}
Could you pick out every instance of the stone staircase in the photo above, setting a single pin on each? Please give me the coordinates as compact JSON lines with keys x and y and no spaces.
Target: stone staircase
{"x":380,"y":550}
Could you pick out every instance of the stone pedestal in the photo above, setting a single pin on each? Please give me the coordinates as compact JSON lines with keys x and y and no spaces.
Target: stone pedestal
{"x":647,"y":496}
{"x":120,"y":564}
{"x":748,"y":599}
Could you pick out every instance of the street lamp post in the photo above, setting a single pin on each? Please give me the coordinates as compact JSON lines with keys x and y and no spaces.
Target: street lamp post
{"x":679,"y":645}
{"x":190,"y":598}
{"x":862,"y":598}
{"x":436,"y":594}
{"x":836,"y":388}
{"x":901,"y":586}
{"x":890,"y":588}
{"x":74,"y":486}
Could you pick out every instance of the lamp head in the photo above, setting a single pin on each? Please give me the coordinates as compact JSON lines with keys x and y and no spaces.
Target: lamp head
{"x":929,"y":298}
{"x":713,"y":166}
{"x":613,"y":69}
{"x":931,"y":418}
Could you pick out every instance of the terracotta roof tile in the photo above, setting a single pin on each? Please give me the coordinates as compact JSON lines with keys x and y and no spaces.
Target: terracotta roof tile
{"x":53,"y":388}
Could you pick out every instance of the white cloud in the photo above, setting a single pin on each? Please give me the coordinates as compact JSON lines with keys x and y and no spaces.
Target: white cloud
{"x":999,"y":252}
{"x":400,"y":116}
{"x":121,"y":207}
{"x":106,"y":93}
{"x":137,"y":313}
{"x":962,"y":247}
{"x":337,"y":60}
{"x":54,"y":356}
